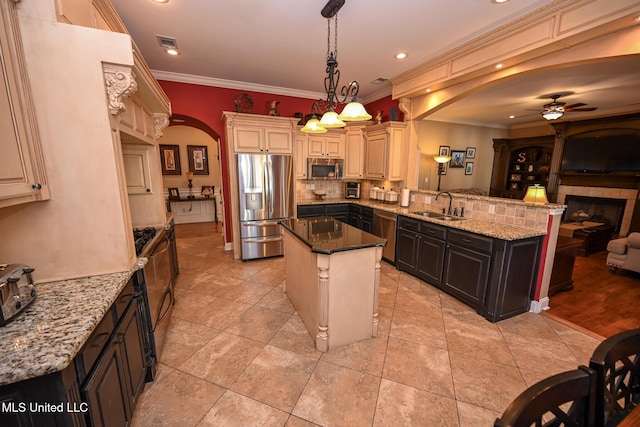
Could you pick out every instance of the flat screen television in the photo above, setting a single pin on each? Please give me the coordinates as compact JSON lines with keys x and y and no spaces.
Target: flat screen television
{"x":617,"y":152}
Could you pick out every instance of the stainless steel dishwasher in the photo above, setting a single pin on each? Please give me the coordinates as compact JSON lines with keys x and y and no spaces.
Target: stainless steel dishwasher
{"x":384,"y":225}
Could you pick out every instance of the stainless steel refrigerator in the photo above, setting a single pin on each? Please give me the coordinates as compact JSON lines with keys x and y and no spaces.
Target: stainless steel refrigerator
{"x":265,"y":191}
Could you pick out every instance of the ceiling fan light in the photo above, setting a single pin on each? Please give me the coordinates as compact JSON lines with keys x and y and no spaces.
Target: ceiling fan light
{"x":552,"y":114}
{"x":354,"y":112}
{"x":330,"y":119}
{"x":313,"y":126}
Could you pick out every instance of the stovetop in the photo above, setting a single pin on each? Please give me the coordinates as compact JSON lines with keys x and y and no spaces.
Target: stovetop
{"x":142,"y":236}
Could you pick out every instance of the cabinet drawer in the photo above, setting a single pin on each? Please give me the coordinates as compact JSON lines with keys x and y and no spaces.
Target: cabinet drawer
{"x":367,"y":213}
{"x":94,"y":345}
{"x":434,"y":231}
{"x":408,"y":224}
{"x":471,"y":241}
{"x":125,"y":297}
{"x":337,"y":209}
{"x":310,"y":210}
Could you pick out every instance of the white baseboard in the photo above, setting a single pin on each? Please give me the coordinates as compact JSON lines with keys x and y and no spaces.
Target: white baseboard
{"x":228,"y":246}
{"x":539,"y":306}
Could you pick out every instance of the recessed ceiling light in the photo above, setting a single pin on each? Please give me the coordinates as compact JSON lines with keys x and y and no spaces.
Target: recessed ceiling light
{"x":379,"y":80}
{"x":637,"y":18}
{"x":428,"y":90}
{"x":499,"y":65}
{"x":499,"y":1}
{"x":161,"y":1}
{"x":512,"y":116}
{"x":401,"y":55}
{"x":172,"y":51}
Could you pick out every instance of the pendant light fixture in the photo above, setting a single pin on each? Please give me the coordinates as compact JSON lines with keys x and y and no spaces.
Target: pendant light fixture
{"x":354,"y":110}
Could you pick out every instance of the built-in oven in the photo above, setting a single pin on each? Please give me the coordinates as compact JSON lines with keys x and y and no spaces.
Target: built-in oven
{"x":320,"y":168}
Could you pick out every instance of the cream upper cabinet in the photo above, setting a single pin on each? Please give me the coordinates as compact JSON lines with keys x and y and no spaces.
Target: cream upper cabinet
{"x":261,"y":134}
{"x":22,"y":172}
{"x":326,"y":145}
{"x":354,"y":153}
{"x":137,"y":168}
{"x":384,"y":151}
{"x":300,"y":154}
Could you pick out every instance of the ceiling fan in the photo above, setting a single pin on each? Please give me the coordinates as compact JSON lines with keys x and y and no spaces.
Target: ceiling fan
{"x":556,"y":109}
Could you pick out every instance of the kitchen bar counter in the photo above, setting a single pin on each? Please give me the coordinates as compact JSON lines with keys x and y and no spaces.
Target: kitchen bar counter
{"x":487,"y":228}
{"x":48,"y":335}
{"x":327,"y":235}
{"x":332,"y":273}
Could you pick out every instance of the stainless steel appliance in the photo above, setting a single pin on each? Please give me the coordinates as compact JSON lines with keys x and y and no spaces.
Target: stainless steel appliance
{"x":320,"y":168}
{"x":17,"y":290}
{"x":265,"y":191}
{"x":154,"y":244}
{"x":384,"y":225}
{"x":352,"y":190}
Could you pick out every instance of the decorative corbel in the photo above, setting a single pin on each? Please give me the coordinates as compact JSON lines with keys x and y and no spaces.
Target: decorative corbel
{"x":160,"y":121}
{"x":405,"y":106}
{"x":120,"y":82}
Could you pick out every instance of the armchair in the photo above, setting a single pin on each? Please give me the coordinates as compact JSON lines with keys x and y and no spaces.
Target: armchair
{"x":624,"y":253}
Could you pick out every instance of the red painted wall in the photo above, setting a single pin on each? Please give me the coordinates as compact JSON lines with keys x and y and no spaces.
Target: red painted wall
{"x":206,"y":103}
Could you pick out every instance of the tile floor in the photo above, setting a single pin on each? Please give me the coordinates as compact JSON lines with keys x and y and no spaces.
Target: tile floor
{"x":238,"y":355}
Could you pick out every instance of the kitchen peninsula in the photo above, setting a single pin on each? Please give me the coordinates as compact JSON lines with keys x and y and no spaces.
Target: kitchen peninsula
{"x":332,"y":273}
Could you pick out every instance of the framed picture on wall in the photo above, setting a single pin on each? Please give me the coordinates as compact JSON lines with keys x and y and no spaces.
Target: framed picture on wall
{"x":468,"y":168}
{"x":170,"y":159}
{"x":457,"y":159}
{"x":174,"y":193}
{"x":198,"y":160}
{"x":471,"y":153}
{"x":444,"y":150}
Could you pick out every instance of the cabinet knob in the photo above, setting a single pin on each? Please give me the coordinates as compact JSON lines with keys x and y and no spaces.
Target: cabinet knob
{"x":37,"y":186}
{"x":148,"y":190}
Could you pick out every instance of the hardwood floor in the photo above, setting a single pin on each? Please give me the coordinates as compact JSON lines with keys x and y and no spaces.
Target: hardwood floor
{"x":601,"y":303}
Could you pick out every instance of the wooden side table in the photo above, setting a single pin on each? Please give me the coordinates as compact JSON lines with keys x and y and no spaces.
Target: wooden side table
{"x":561,"y":274}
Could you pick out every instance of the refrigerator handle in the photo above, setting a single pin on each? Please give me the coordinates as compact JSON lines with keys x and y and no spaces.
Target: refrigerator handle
{"x":268,"y":186}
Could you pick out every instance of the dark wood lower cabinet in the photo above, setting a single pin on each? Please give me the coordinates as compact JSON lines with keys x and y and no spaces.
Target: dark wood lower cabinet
{"x":98,"y":388}
{"x":493,"y":276}
{"x":466,"y":274}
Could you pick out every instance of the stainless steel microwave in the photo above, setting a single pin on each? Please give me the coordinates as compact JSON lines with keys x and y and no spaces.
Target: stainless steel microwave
{"x":319,"y":168}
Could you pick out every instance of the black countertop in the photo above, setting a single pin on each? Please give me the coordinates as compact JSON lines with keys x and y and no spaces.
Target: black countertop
{"x":326,"y":235}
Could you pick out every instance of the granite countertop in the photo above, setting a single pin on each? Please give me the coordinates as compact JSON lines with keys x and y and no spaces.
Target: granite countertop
{"x":48,"y":334}
{"x":486,"y":228}
{"x":326,"y":235}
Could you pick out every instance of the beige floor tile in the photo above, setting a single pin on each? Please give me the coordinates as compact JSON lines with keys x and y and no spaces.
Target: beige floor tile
{"x":416,"y":298}
{"x":477,"y":338}
{"x":275,"y":377}
{"x":418,"y":365}
{"x":277,"y":300}
{"x":540,"y":354}
{"x":529,"y":324}
{"x":294,"y":421}
{"x":222,"y":359}
{"x":337,"y":396}
{"x":269,"y":276}
{"x":221,"y":312}
{"x":474,"y":416}
{"x":183,"y":340}
{"x":178,"y":400}
{"x":424,"y":328}
{"x":385,"y":316}
{"x":484,"y":383}
{"x":294,"y":336}
{"x":236,"y":410}
{"x":246,"y":292}
{"x":258,"y":323}
{"x":190,"y":306}
{"x":401,"y":405}
{"x":365,"y":356}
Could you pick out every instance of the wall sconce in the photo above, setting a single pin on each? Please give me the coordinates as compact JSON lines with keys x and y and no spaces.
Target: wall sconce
{"x":441,"y":160}
{"x":536,"y":194}
{"x":190,"y":179}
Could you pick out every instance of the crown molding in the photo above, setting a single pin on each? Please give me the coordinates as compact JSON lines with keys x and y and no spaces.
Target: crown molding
{"x":233,"y":84}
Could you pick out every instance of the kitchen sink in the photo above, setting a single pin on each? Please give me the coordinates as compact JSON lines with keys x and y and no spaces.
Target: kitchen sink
{"x":436,"y":215}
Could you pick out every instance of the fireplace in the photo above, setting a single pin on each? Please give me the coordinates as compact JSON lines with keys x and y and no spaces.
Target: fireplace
{"x":600,"y":209}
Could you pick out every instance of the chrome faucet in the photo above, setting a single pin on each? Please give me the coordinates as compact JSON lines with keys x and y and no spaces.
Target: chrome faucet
{"x":450,"y":200}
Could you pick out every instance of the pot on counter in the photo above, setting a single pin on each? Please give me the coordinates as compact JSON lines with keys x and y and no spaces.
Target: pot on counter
{"x":373,"y":193}
{"x":381,"y":194}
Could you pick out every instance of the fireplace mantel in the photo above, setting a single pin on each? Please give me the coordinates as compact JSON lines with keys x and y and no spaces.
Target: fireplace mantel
{"x":618,"y":180}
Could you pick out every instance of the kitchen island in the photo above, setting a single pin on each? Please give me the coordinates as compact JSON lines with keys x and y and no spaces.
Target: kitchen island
{"x":332,"y":277}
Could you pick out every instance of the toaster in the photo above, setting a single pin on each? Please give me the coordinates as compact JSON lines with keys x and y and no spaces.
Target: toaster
{"x":17,"y":290}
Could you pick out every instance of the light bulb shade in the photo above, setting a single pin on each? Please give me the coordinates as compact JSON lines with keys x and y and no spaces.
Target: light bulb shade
{"x":330,"y":119}
{"x":313,"y":126}
{"x":552,"y":114}
{"x":536,"y":194}
{"x":354,"y":112}
{"x":442,"y":159}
